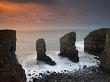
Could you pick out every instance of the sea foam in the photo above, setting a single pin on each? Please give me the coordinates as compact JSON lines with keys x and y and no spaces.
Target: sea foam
{"x":34,"y":67}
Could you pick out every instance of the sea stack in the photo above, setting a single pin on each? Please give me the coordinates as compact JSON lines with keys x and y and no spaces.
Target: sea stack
{"x":41,"y":52}
{"x":10,"y":69}
{"x":68,"y":48}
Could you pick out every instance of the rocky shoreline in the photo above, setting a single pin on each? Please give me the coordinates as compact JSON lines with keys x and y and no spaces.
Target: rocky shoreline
{"x":91,"y":74}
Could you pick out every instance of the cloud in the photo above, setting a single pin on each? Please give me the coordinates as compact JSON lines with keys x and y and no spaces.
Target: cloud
{"x":45,"y":13}
{"x":45,"y":2}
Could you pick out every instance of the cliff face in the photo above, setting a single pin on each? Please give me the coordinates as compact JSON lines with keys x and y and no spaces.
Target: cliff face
{"x":94,"y":43}
{"x":68,"y":48}
{"x":105,"y":56}
{"x":98,"y":43}
{"x":10,"y":69}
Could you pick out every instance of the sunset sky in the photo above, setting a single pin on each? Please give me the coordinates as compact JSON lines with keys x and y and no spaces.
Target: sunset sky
{"x":54,"y":14}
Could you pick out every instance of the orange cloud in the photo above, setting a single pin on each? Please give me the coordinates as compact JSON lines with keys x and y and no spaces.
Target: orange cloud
{"x":12,"y":7}
{"x":33,"y":15}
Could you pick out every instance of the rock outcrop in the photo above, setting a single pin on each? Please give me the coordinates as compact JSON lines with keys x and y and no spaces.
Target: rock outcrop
{"x":98,"y":43}
{"x":105,"y":55}
{"x":10,"y":69}
{"x":94,"y":43}
{"x":68,"y":48}
{"x":41,"y":52}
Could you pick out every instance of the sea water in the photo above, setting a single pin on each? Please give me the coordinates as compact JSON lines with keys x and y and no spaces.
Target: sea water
{"x":26,"y":52}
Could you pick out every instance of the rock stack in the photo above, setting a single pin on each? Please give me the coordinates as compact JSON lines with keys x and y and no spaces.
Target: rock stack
{"x":68,"y":48}
{"x":41,"y":52}
{"x":10,"y":69}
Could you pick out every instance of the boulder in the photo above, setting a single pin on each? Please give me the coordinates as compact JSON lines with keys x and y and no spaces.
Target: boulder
{"x":105,"y":55}
{"x":41,"y":52}
{"x":10,"y":69}
{"x":68,"y":48}
{"x":94,"y":42}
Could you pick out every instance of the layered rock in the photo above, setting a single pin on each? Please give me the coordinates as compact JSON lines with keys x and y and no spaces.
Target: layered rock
{"x":94,"y":42}
{"x":68,"y":48}
{"x":105,"y":55}
{"x":41,"y":52}
{"x":10,"y":69}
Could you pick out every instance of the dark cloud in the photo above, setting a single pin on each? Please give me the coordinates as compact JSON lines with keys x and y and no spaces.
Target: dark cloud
{"x":59,"y":12}
{"x":46,"y":2}
{"x":89,"y":6}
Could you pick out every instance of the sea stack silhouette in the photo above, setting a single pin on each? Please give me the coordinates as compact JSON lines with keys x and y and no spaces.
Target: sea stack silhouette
{"x":68,"y":48}
{"x":10,"y":69}
{"x":41,"y":52}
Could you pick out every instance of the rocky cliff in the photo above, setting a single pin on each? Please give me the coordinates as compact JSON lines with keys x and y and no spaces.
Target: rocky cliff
{"x":68,"y":48}
{"x":98,"y":43}
{"x":105,"y":55}
{"x":10,"y":69}
{"x":94,"y":42}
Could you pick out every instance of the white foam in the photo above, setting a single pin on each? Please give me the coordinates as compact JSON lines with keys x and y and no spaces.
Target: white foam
{"x":32,"y":66}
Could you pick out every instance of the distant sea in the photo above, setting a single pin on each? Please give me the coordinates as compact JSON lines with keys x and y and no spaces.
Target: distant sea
{"x":26,"y":41}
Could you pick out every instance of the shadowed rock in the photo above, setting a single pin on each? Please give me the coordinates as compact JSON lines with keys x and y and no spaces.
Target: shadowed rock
{"x":98,"y":43}
{"x":105,"y":55}
{"x":68,"y":48}
{"x":94,"y":42}
{"x":41,"y":52}
{"x":10,"y":69}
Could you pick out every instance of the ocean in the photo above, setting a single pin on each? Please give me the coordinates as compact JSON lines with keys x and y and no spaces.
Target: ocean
{"x":26,"y":41}
{"x":26,"y":52}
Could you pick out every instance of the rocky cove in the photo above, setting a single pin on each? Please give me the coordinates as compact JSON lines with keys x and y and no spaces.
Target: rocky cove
{"x":92,"y":44}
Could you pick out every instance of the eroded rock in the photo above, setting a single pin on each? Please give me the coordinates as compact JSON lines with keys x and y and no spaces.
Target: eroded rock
{"x":68,"y":48}
{"x":41,"y":52}
{"x":10,"y":69}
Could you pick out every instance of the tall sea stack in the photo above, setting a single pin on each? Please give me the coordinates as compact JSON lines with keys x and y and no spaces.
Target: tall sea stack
{"x":41,"y":52}
{"x":10,"y":69}
{"x":68,"y":48}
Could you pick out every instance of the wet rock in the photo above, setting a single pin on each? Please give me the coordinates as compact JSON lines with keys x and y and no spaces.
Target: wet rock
{"x":68,"y":48}
{"x":94,"y":42}
{"x":91,"y":74}
{"x":29,"y":74}
{"x":41,"y":52}
{"x":10,"y":69}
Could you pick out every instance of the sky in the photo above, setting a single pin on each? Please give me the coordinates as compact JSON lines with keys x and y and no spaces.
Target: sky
{"x":54,"y":14}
